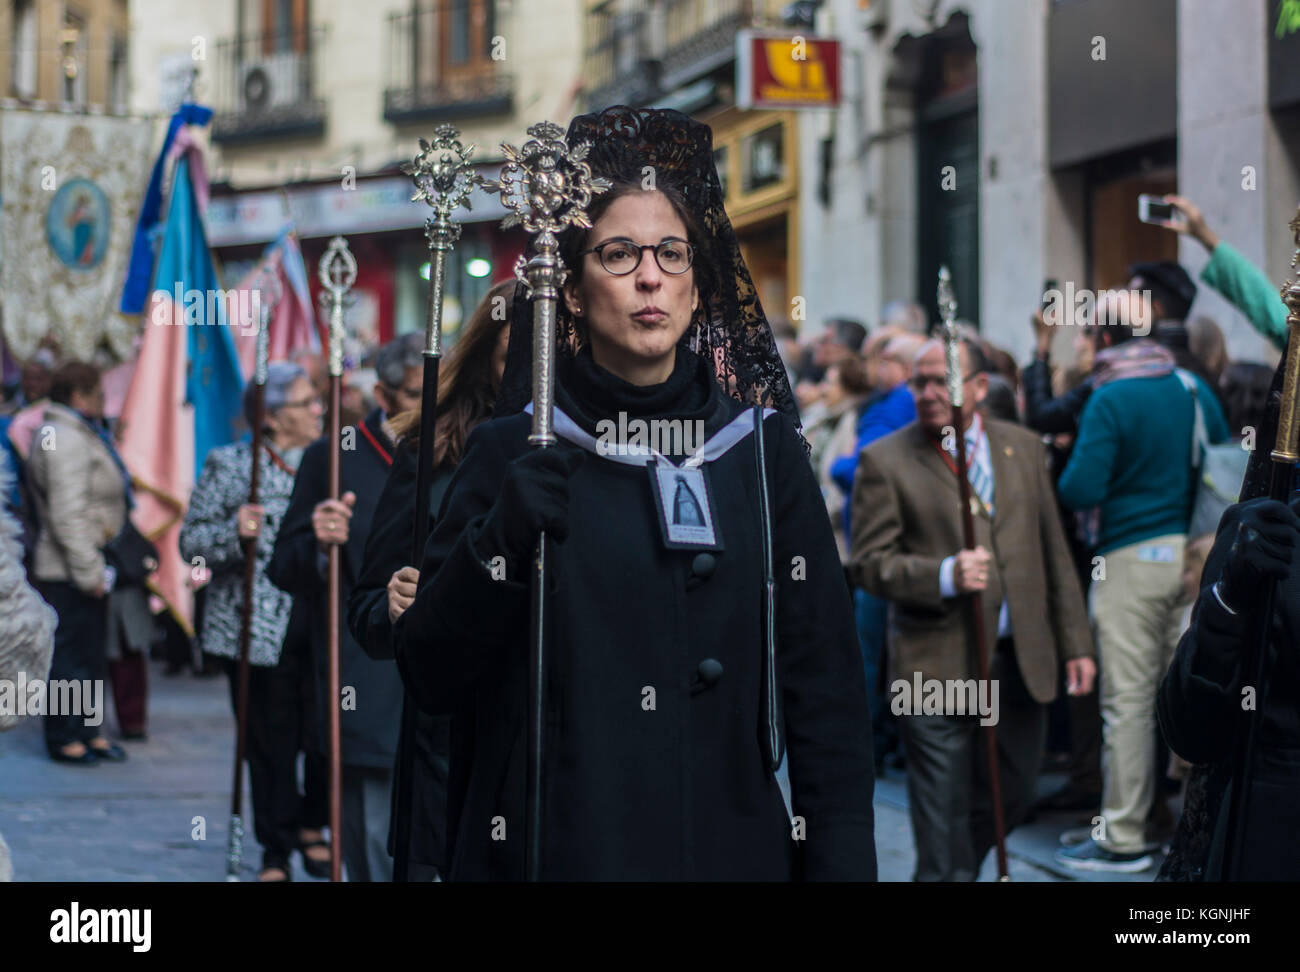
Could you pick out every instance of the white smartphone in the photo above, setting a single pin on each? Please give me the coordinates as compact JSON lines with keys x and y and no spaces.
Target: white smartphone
{"x":1153,"y":209}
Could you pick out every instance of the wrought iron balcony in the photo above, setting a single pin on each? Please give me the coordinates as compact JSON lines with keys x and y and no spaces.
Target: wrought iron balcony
{"x":441,"y":64}
{"x":618,"y":66}
{"x":639,"y":49}
{"x":266,"y":87}
{"x":700,"y":36}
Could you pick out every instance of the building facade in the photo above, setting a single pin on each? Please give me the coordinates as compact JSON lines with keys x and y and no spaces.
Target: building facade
{"x":1008,"y":139}
{"x":65,"y":55}
{"x":317,"y":104}
{"x":682,"y":54}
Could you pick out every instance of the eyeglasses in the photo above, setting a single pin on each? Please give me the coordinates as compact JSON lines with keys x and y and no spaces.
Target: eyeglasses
{"x":305,"y":403}
{"x":621,"y":257}
{"x":919,"y":383}
{"x":409,"y":392}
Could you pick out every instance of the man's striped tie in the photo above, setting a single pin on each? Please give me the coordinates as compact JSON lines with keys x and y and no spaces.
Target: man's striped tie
{"x":980,"y":474}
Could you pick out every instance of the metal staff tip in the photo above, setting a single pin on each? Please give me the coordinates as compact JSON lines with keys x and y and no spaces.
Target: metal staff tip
{"x":445,"y":177}
{"x":952,"y":359}
{"x":338,"y":272}
{"x":267,"y":287}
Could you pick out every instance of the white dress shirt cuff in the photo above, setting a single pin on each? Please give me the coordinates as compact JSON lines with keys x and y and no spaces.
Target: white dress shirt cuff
{"x":946,"y":586}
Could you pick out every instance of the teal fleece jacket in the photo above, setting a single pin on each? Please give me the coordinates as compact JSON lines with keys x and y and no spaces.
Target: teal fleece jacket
{"x":1133,"y":457}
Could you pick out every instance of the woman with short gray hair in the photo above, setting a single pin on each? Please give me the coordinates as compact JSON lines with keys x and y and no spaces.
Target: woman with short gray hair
{"x":220,"y":518}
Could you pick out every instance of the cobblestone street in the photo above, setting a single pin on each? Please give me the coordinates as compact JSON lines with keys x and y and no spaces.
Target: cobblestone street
{"x":135,"y":821}
{"x":129,"y":821}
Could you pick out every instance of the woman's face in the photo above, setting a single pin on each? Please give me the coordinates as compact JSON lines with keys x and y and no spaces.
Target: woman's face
{"x":299,"y":422}
{"x":635,"y":320}
{"x":89,"y":404}
{"x":832,"y":390}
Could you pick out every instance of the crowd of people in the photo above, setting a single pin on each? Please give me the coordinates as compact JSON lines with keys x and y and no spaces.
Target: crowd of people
{"x":1100,"y":484}
{"x":685,"y":738}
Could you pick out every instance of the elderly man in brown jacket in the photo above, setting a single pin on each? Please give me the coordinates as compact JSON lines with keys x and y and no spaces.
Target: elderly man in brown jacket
{"x":907,"y":549}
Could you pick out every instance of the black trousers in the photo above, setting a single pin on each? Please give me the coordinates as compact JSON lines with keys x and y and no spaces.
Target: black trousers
{"x":80,"y":653}
{"x":280,"y":710}
{"x":948,"y":776}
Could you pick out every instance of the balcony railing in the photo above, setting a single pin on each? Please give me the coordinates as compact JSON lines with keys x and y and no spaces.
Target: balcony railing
{"x":628,"y":60}
{"x":618,"y":66}
{"x":700,"y":35}
{"x":443,"y":63}
{"x":266,"y":86}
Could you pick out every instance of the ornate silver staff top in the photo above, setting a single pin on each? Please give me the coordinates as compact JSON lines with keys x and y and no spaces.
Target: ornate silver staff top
{"x":269,"y":291}
{"x":546,"y":186}
{"x":338,"y":272}
{"x":444,"y":178}
{"x":952,"y":360}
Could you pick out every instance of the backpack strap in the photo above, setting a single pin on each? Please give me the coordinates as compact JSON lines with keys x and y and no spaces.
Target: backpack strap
{"x":1200,"y":437}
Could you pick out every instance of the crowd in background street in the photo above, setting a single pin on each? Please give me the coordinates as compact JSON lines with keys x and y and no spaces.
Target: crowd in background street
{"x":1098,"y":484}
{"x":1141,"y":437}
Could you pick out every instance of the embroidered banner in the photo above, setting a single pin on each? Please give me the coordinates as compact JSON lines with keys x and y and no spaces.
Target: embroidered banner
{"x":70,"y":188}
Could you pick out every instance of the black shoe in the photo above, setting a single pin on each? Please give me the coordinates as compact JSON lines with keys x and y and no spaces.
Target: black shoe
{"x":112,"y":753}
{"x":139,"y":736}
{"x":317,"y":869}
{"x":87,"y":758}
{"x":275,"y":865}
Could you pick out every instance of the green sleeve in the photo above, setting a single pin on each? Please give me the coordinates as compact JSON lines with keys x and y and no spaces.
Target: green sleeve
{"x":1248,"y":289}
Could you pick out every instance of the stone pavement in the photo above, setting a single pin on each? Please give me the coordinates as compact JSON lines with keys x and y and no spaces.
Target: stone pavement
{"x":1030,"y":848}
{"x":135,"y":821}
{"x":131,"y":821}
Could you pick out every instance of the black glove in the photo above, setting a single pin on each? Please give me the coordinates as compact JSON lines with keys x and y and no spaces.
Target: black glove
{"x":1260,"y":552}
{"x":534,"y":497}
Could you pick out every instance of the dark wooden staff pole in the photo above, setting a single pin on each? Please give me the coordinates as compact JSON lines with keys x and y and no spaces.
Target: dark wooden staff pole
{"x":546,"y":186}
{"x":268,"y":292}
{"x":444,"y":178}
{"x":974,"y":601}
{"x":338,"y":272}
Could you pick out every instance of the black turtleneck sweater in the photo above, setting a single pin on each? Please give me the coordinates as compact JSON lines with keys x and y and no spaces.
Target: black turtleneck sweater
{"x":587,"y":393}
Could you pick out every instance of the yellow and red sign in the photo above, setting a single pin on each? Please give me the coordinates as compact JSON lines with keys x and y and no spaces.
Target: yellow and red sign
{"x":783,"y":70}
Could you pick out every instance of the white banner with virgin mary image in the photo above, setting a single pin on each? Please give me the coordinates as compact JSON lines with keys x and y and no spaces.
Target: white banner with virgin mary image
{"x":70,"y":191}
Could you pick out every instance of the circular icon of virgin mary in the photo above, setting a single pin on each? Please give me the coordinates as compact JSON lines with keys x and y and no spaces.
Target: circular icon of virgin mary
{"x":76,"y":224}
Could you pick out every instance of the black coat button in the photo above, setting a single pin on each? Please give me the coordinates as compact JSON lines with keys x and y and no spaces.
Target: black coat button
{"x":710,"y":670}
{"x":704,"y":564}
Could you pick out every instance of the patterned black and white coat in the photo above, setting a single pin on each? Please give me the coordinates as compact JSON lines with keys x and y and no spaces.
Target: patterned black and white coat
{"x":212,"y":533}
{"x":27,"y":623}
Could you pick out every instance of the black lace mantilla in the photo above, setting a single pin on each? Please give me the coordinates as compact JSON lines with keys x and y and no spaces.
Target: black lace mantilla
{"x":730,"y":328}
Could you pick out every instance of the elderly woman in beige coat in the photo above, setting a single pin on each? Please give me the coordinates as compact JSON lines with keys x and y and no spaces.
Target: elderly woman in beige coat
{"x":26,"y":623}
{"x":80,"y":493}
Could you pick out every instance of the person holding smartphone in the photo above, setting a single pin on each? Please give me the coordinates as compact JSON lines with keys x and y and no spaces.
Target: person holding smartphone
{"x":1240,"y":282}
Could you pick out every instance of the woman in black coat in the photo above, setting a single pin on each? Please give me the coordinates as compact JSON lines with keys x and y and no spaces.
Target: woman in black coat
{"x":663,"y":725}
